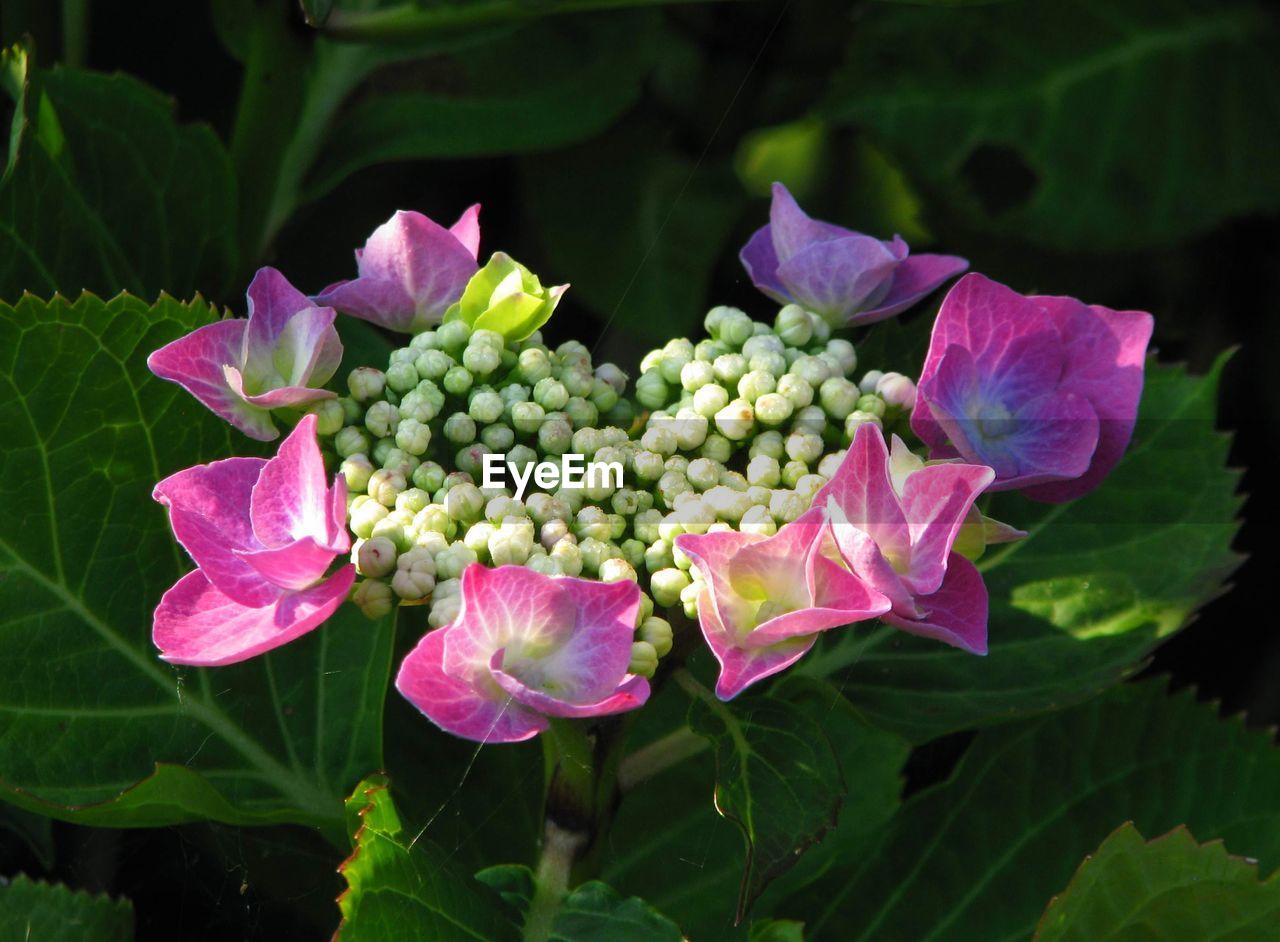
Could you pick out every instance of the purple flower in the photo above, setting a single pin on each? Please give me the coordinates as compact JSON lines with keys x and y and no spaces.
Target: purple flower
{"x":263,"y":533}
{"x":525,"y":647}
{"x":895,"y":521}
{"x":765,"y":599}
{"x":1045,"y":390}
{"x":242,"y":369}
{"x":847,"y":277}
{"x":410,"y":271}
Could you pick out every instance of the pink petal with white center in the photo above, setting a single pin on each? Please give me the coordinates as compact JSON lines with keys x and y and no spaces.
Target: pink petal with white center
{"x":864,"y":492}
{"x":630,"y":693}
{"x":293,"y":566}
{"x":956,"y":614}
{"x":842,"y":599}
{"x":195,"y":362}
{"x":290,"y":500}
{"x":281,"y":398}
{"x":741,"y":667}
{"x":453,"y":704}
{"x":593,"y":660}
{"x":863,"y":557}
{"x":198,"y":625}
{"x":209,"y":513}
{"x":712,"y":554}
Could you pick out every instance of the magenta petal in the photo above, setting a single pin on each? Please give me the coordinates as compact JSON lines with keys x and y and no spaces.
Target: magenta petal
{"x":837,"y":277}
{"x":196,"y":624}
{"x":457,"y":707}
{"x":864,"y":492}
{"x":467,"y":230}
{"x":742,"y":667}
{"x":792,"y":228}
{"x":195,"y":362}
{"x":283,"y":397}
{"x":632,"y":693}
{"x":761,"y":262}
{"x":290,"y":500}
{"x":936,"y":500}
{"x":272,"y":302}
{"x":915,"y":277}
{"x":208,"y":511}
{"x":956,"y":614}
{"x":383,"y":302}
{"x":291,"y":567}
{"x":592,"y":662}
{"x":845,"y":599}
{"x":862,"y":556}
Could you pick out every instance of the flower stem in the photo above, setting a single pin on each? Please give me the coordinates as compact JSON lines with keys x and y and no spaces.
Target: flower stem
{"x":658,"y":756}
{"x":559,"y":850}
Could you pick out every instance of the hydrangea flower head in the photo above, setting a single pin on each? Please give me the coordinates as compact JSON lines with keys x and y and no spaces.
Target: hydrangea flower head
{"x":524,"y":647}
{"x":847,"y":277}
{"x":263,"y":534}
{"x":409,"y":271}
{"x":895,"y":521}
{"x":765,"y":599}
{"x":243,"y":368}
{"x":1044,"y":390}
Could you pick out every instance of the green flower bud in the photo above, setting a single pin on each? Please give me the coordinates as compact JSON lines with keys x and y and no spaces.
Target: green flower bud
{"x":356,"y":469}
{"x":412,"y":436}
{"x":451,"y":562}
{"x":477,"y":537}
{"x":592,"y":523}
{"x":633,"y":553}
{"x":810,"y":419}
{"x":644,"y":659}
{"x":611,"y":374}
{"x":594,"y":552}
{"x":735,"y":328}
{"x":426,"y":340}
{"x":527,"y":417}
{"x":651,"y":390}
{"x":804,"y":446}
{"x":621,"y":415}
{"x":617,"y":570}
{"x":603,"y":396}
{"x":794,"y":325}
{"x":763,"y":471}
{"x":821,"y":329}
{"x":330,"y":416}
{"x":366,"y":384}
{"x":376,"y":557}
{"x":658,"y":556}
{"x":433,"y":364}
{"x":402,"y":377}
{"x":385,"y":486}
{"x":382,"y":451}
{"x":813,"y":370}
{"x":710,"y":399}
{"x":364,"y":516}
{"x":775,"y":364}
{"x":512,"y":542}
{"x":715,"y":316}
{"x":415,"y":574}
{"x":471,"y":459}
{"x":497,"y":438}
{"x":502,"y":507}
{"x":792,"y":472}
{"x":485,"y":406}
{"x":729,"y":368}
{"x":667,"y":584}
{"x":647,"y":466}
{"x":845,"y":353}
{"x":898,"y":391}
{"x":839,"y":397}
{"x":569,"y":556}
{"x":758,"y":495}
{"x":397,"y":459}
{"x":581,"y":413}
{"x":755,"y":384}
{"x":689,"y":600}
{"x":453,"y":335}
{"x":434,"y":518}
{"x":412,"y":500}
{"x":429,"y":476}
{"x":736,"y":420}
{"x":773,"y":408}
{"x":645,"y":524}
{"x":671,"y":485}
{"x":382,"y":419}
{"x":656,"y":632}
{"x":767,"y":443}
{"x":672,"y":365}
{"x":659,"y":439}
{"x":785,"y":506}
{"x":464,"y":502}
{"x":373,"y":598}
{"x":555,"y":435}
{"x":488,"y":338}
{"x":858,"y":418}
{"x":695,"y":374}
{"x":869,"y":403}
{"x":460,"y":429}
{"x":797,"y":390}
{"x":717,"y":448}
{"x":505,"y":297}
{"x":704,"y":473}
{"x":457,"y":381}
{"x":758,"y":520}
{"x":550,"y":394}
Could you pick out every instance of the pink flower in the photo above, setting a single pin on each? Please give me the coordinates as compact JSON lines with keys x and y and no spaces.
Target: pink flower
{"x":1044,"y":390}
{"x":847,"y":277}
{"x":525,"y":647}
{"x":263,"y":533}
{"x":410,"y":271}
{"x":242,"y":369}
{"x":895,"y":521}
{"x":766,"y":598}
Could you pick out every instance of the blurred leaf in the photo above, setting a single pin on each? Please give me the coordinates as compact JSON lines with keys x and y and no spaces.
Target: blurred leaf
{"x":97,"y":729}
{"x":105,"y":192}
{"x":404,"y":888}
{"x":513,"y":98}
{"x":36,"y":831}
{"x":1077,"y":605}
{"x":1081,"y":125}
{"x":665,"y":219}
{"x":50,"y":912}
{"x":1171,"y":889}
{"x":977,"y":856}
{"x":790,"y":154}
{"x":593,"y":912}
{"x":687,"y":860}
{"x":777,"y":930}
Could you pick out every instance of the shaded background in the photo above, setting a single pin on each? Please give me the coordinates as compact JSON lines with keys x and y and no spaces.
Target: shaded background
{"x":1125,"y":153}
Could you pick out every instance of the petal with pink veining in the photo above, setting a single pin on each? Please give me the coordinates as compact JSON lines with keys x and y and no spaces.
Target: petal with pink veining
{"x":956,"y":613}
{"x":283,"y":397}
{"x":936,"y":500}
{"x":864,"y":492}
{"x":630,"y":693}
{"x":741,"y":667}
{"x":198,"y":625}
{"x":915,"y":277}
{"x":838,"y":277}
{"x":290,"y":500}
{"x":455,"y":705}
{"x":842,"y":600}
{"x":195,"y":362}
{"x":291,"y":567}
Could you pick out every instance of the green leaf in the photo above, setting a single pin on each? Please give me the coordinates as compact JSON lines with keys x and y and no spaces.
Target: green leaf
{"x":105,"y":192}
{"x":36,"y":831}
{"x":593,"y":912}
{"x":977,"y":856}
{"x":506,"y":96}
{"x":1171,"y":888}
{"x":96,"y":728}
{"x":777,"y":930}
{"x":665,"y":226}
{"x":1035,"y":120}
{"x":1078,"y":604}
{"x":403,"y":887}
{"x":46,"y":912}
{"x":777,"y":779}
{"x":685,"y":859}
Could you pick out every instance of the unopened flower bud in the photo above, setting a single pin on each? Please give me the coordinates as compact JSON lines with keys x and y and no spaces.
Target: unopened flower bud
{"x":710,"y":399}
{"x":373,"y":597}
{"x":364,"y":516}
{"x":758,"y":520}
{"x":376,"y":557}
{"x":366,"y":384}
{"x":666,"y":585}
{"x":464,"y":502}
{"x":689,"y":597}
{"x":656,"y":632}
{"x":415,"y":574}
{"x":793,"y":325}
{"x":651,"y":390}
{"x":351,"y":441}
{"x":897,"y":391}
{"x":385,"y":486}
{"x":356,"y":470}
{"x":810,"y":419}
{"x":382,"y":418}
{"x":644,"y":659}
{"x":512,"y":542}
{"x":736,"y":420}
{"x":617,"y":570}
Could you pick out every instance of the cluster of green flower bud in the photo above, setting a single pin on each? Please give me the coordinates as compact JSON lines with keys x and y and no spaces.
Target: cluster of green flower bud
{"x":742,"y":429}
